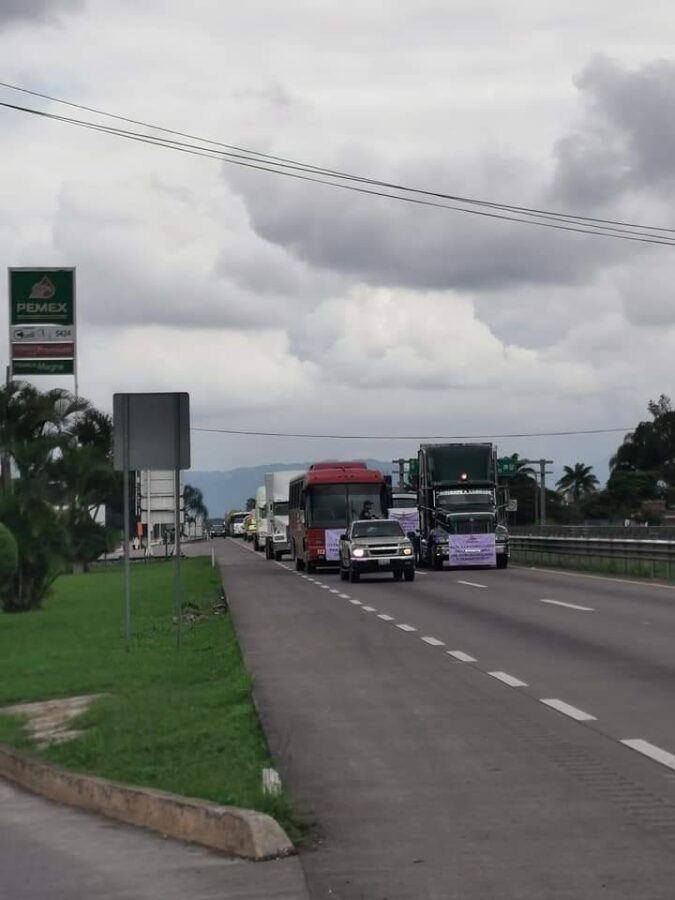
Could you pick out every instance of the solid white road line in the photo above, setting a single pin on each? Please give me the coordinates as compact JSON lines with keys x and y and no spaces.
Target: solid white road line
{"x":433,"y":641}
{"x":355,"y":602}
{"x":634,"y":581}
{"x":385,"y":617}
{"x":655,"y":753}
{"x":472,"y":584}
{"x":568,"y":605}
{"x":461,"y":656}
{"x":570,"y":711}
{"x":405,"y":627}
{"x":344,"y":596}
{"x":508,"y":679}
{"x":369,"y":609}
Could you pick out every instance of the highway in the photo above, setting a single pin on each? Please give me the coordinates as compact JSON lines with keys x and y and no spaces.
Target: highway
{"x":474,"y":734}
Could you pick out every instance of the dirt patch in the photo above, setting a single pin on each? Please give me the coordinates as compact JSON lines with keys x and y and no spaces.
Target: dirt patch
{"x":48,"y":721}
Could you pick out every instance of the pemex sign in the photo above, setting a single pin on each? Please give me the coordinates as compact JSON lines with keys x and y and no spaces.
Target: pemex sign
{"x":42,"y":321}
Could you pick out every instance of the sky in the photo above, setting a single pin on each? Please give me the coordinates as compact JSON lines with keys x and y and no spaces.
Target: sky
{"x":287,"y":306}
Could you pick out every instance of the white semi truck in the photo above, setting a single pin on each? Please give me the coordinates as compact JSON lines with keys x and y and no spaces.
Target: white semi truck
{"x":276,"y":492}
{"x":260,"y":516}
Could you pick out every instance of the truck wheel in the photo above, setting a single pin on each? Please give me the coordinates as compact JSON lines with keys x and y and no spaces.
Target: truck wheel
{"x":436,"y":562}
{"x":278,"y":555}
{"x":502,"y":561}
{"x":409,"y":574}
{"x":354,"y":576}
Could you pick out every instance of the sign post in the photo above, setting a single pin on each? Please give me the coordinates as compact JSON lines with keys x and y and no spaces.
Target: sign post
{"x":152,"y":432}
{"x":42,"y":322}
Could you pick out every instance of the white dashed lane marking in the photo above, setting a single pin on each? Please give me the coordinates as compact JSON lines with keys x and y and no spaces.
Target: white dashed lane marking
{"x":472,"y":584}
{"x":333,"y":591}
{"x":344,"y":596}
{"x":385,"y":617}
{"x":508,"y":679}
{"x":355,"y":602}
{"x":461,"y":656}
{"x":433,"y":641}
{"x":368,"y":609}
{"x":568,"y":605}
{"x":653,"y":752}
{"x":570,"y":711}
{"x":405,"y":627}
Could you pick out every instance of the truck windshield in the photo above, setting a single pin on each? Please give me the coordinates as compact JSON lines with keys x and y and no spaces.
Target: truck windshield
{"x":335,"y":505}
{"x":478,"y":501}
{"x":281,"y":508}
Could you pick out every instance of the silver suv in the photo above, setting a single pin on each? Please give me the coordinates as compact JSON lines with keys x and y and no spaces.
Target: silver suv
{"x":376,"y":545}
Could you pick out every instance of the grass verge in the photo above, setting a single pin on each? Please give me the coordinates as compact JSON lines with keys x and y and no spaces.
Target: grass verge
{"x":182,"y":721}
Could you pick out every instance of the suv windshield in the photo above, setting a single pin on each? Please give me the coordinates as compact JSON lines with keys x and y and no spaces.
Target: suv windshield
{"x":377,"y":529}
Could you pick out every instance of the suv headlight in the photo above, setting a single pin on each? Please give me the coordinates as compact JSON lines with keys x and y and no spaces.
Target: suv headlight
{"x":407,"y":551}
{"x":358,"y":552}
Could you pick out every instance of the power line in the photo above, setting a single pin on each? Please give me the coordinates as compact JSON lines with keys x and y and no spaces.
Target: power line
{"x":291,"y":168}
{"x":412,"y":437}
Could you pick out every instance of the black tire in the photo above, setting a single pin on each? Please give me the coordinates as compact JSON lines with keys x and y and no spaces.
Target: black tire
{"x":310,"y":567}
{"x":436,"y":563}
{"x":397,"y":575}
{"x":278,"y":555}
{"x":409,"y":574}
{"x":268,"y":550}
{"x":502,"y":561}
{"x":354,"y":576}
{"x":344,"y":574}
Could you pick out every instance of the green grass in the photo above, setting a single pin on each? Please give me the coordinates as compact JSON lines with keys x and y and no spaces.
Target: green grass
{"x":182,"y":721}
{"x":598,"y":564}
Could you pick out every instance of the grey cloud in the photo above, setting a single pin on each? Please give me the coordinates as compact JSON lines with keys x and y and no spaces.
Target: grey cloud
{"x":22,"y":10}
{"x":626,"y":141}
{"x":385,"y":242}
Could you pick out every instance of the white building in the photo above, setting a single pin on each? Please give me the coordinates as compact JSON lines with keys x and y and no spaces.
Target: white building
{"x":156,"y":504}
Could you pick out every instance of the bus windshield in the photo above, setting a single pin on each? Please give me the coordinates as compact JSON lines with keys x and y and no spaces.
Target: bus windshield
{"x":335,"y":505}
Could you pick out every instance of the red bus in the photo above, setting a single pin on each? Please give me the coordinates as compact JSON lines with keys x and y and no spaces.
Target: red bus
{"x":323,"y":502}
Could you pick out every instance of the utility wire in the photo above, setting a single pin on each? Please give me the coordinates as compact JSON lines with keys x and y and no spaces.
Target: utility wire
{"x":333,"y":172}
{"x":413,"y":437}
{"x":246,"y":162}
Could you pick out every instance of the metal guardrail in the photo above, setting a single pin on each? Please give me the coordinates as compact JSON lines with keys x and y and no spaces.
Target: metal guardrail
{"x":637,"y":532}
{"x":651,"y":556}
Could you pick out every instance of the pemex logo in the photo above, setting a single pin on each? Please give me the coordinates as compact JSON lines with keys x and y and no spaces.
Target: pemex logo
{"x":43,"y":289}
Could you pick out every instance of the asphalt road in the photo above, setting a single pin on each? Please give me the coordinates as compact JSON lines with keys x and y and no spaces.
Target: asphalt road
{"x":462,"y":736}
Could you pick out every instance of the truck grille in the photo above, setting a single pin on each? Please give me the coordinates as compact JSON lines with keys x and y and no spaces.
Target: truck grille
{"x":473,"y":527}
{"x":383,"y":550}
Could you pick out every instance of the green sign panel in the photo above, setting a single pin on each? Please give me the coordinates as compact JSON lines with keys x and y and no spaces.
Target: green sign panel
{"x":43,"y":367}
{"x":42,"y":296}
{"x":506,"y":467}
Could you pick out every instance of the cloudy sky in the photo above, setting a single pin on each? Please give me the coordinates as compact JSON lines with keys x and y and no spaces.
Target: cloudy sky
{"x":282,"y":305}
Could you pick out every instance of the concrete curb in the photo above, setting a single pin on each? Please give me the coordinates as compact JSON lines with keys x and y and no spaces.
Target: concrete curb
{"x":236,"y":832}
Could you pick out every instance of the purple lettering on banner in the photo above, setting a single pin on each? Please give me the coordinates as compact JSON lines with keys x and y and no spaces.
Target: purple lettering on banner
{"x":472,"y":550}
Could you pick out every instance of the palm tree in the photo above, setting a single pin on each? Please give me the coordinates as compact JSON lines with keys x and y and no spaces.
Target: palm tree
{"x":577,"y":481}
{"x":195,"y":507}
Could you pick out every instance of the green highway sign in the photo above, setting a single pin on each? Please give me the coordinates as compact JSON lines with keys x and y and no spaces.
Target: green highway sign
{"x":42,"y":296}
{"x":506,"y":467}
{"x":43,"y":367}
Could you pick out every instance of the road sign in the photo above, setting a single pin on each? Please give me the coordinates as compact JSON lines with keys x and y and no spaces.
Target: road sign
{"x":42,"y":322}
{"x":42,"y":296}
{"x":30,"y":334}
{"x":506,"y":467}
{"x":43,"y":366}
{"x":43,"y":351}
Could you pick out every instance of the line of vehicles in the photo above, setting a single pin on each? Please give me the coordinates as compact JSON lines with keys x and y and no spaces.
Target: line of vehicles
{"x":347,"y":516}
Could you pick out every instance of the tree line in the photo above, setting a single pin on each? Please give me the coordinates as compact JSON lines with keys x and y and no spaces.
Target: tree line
{"x":640,"y":487}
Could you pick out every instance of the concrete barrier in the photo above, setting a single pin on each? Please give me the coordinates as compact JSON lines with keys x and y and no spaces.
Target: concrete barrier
{"x":236,"y":832}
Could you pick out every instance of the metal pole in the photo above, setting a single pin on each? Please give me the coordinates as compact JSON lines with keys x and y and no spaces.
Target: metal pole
{"x":127,"y":516}
{"x":179,"y":604}
{"x":542,"y":506}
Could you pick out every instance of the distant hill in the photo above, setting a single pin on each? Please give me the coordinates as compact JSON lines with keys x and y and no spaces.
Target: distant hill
{"x":230,"y":489}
